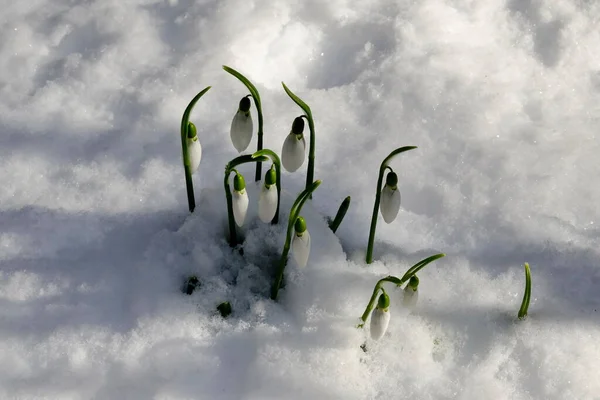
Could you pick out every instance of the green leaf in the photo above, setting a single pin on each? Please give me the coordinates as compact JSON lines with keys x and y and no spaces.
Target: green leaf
{"x":298,"y":101}
{"x":527,"y":294}
{"x":245,"y":81}
{"x":418,"y":266}
{"x":186,"y":114}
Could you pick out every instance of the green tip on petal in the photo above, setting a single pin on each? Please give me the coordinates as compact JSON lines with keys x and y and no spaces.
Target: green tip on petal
{"x":270,"y":176}
{"x":300,"y":225}
{"x":298,"y":126}
{"x":413,"y":283}
{"x":191,"y":131}
{"x":245,"y":104}
{"x":391,"y":180}
{"x":384,"y":301}
{"x":239,"y":183}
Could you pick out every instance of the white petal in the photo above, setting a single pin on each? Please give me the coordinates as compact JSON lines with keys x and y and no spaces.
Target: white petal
{"x":301,"y":248}
{"x":379,"y":323}
{"x":267,"y":203}
{"x":240,"y":206}
{"x":389,"y":204}
{"x":194,"y":153}
{"x":410,"y":297}
{"x":241,"y":131}
{"x":292,"y":153}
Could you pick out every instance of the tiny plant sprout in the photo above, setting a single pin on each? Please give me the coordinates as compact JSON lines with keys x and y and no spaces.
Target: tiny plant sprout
{"x":267,"y":202}
{"x":411,"y":292}
{"x":301,"y":242}
{"x":224,"y":309}
{"x":527,"y":294}
{"x":241,"y":126}
{"x":294,"y":147}
{"x":380,"y":319}
{"x":390,"y":198}
{"x":339,"y":217}
{"x":190,"y":285}
{"x":389,"y":202}
{"x":191,"y":150}
{"x":240,"y":199}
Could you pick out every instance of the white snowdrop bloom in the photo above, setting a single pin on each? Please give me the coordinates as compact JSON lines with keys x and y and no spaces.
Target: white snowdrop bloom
{"x":389,"y":203}
{"x":240,"y":200}
{"x":301,"y":243}
{"x":411,"y":292}
{"x":380,"y":318}
{"x":294,"y":147}
{"x":241,"y":126}
{"x":194,"y":149}
{"x":267,"y":202}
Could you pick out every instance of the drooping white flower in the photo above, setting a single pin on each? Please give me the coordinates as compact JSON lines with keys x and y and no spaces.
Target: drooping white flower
{"x":239,"y":200}
{"x":267,"y":202}
{"x":194,"y":149}
{"x":301,"y":243}
{"x":389,"y":203}
{"x":411,"y":292}
{"x":380,"y":317}
{"x":294,"y":147}
{"x":241,"y":126}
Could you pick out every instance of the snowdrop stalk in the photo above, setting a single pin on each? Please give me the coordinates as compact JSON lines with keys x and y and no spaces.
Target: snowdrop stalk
{"x":277,"y":163}
{"x":311,"y":126}
{"x":398,"y":282}
{"x":384,"y":165}
{"x":294,"y":214}
{"x":189,"y":141}
{"x":339,"y":217}
{"x":527,"y":294}
{"x":257,"y":103}
{"x":229,"y":168}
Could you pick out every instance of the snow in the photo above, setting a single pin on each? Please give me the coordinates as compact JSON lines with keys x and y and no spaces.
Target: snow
{"x":501,"y":97}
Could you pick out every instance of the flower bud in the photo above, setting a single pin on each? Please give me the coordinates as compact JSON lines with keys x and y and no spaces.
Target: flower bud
{"x":380,"y":318}
{"x":301,"y":242}
{"x":267,"y":202}
{"x":294,"y":147}
{"x":389,"y":203}
{"x":194,"y":149}
{"x":411,"y":293}
{"x":240,"y":200}
{"x":241,"y":126}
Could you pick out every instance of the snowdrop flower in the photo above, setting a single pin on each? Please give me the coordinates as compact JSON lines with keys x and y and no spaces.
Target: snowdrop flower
{"x":241,"y":126}
{"x":380,"y":318}
{"x":267,"y":202}
{"x":301,"y":243}
{"x":390,"y":198}
{"x":240,"y":199}
{"x":294,"y":147}
{"x":411,"y":293}
{"x":193,"y":147}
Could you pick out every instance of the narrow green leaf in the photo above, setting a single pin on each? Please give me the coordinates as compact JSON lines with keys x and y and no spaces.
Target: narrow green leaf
{"x":298,"y":101}
{"x":527,"y":294}
{"x":245,"y":81}
{"x":418,"y":266}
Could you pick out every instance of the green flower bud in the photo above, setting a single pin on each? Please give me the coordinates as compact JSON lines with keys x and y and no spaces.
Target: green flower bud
{"x":270,"y":176}
{"x":413,"y":283}
{"x":239,"y":183}
{"x":298,"y":126}
{"x":384,"y":301}
{"x":191,"y":131}
{"x":300,"y":225}
{"x":391,"y":180}
{"x":245,"y":104}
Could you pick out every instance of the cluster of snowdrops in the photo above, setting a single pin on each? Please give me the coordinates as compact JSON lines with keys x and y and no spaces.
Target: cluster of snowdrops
{"x":293,"y":154}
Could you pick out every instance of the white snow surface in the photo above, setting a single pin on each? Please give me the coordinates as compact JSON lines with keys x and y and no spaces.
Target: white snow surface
{"x":502,"y":97}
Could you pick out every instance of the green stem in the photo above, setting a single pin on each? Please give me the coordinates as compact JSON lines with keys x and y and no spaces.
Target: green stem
{"x":229,"y":168}
{"x":189,"y":185}
{"x":256,"y":97}
{"x":527,"y":294}
{"x":275,"y":159}
{"x":384,"y":165}
{"x":294,"y":213}
{"x":334,"y":225}
{"x":310,"y":173}
{"x":398,"y":282}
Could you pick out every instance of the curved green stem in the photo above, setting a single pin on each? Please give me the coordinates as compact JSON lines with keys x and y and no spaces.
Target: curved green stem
{"x":229,"y":168}
{"x":189,"y":185}
{"x":334,"y":225}
{"x":384,"y":165}
{"x":310,"y":173}
{"x":294,"y":213}
{"x":275,"y":159}
{"x":257,"y":103}
{"x":527,"y":294}
{"x":398,"y":282}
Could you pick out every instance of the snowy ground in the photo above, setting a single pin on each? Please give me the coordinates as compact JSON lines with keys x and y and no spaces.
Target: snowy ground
{"x":502,"y":98}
